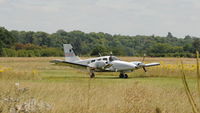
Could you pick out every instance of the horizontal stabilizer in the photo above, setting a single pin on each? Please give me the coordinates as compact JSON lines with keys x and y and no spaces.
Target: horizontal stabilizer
{"x":151,"y":64}
{"x":56,"y":61}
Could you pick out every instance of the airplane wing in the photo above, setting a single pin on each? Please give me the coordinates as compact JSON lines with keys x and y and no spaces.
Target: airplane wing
{"x":151,"y":64}
{"x":97,"y":65}
{"x":70,"y":64}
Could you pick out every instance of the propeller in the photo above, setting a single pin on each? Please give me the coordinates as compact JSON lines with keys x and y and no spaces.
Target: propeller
{"x":143,"y":65}
{"x":143,"y":57}
{"x":144,"y":69}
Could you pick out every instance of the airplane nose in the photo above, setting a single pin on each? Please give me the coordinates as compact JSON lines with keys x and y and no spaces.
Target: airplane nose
{"x":140,"y":65}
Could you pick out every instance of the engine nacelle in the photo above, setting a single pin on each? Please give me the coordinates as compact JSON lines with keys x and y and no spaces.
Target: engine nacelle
{"x":98,"y":65}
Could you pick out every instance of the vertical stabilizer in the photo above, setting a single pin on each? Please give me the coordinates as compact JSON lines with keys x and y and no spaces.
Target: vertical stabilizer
{"x":69,"y":53}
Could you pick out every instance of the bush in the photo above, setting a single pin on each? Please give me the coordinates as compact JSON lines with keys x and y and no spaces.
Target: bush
{"x":51,"y":52}
{"x":9,"y":52}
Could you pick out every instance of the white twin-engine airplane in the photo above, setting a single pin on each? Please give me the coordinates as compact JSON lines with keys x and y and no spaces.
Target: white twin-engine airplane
{"x":101,"y":64}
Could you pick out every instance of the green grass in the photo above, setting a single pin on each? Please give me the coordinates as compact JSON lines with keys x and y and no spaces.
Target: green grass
{"x":71,"y":76}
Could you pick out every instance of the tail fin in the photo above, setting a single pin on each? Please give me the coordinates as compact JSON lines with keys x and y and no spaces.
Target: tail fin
{"x":69,"y":53}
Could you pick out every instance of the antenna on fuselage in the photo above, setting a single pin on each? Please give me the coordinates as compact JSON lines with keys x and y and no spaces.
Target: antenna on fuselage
{"x":110,"y":58}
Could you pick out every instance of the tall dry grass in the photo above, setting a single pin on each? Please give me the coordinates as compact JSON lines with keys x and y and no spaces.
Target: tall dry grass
{"x":132,"y":97}
{"x":191,"y":99}
{"x":17,"y":99}
{"x":71,"y":91}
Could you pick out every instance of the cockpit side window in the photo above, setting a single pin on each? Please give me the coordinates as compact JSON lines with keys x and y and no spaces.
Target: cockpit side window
{"x":105,"y":59}
{"x":115,"y":58}
{"x":92,"y":60}
{"x":99,"y":59}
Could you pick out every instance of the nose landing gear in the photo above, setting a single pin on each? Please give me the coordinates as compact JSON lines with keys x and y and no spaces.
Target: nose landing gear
{"x":92,"y":75}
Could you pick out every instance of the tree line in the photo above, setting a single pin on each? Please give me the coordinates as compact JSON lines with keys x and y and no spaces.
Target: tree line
{"x":36,"y":44}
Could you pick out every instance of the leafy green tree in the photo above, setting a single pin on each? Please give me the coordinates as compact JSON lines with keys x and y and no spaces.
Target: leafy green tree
{"x":169,"y":35}
{"x":41,"y":39}
{"x":196,"y":44}
{"x":6,"y":38}
{"x":160,"y":48}
{"x":1,"y":48}
{"x":29,"y":43}
{"x":100,"y":50}
{"x":9,"y":52}
{"x":188,"y":48}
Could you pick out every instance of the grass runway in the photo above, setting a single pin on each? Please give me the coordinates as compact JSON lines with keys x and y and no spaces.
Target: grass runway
{"x":69,"y":90}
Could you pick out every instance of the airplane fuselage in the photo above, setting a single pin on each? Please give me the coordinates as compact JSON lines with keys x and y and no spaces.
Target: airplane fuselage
{"x":116,"y":65}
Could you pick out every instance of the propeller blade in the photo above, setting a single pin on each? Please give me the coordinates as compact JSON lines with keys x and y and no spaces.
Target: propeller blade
{"x":144,"y":69}
{"x":143,"y":57}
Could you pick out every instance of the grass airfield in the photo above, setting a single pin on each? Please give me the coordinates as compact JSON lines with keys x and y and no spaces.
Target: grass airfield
{"x":68,"y":90}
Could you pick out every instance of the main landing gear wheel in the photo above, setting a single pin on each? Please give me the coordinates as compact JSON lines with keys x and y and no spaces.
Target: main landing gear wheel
{"x":123,"y":76}
{"x":92,"y":75}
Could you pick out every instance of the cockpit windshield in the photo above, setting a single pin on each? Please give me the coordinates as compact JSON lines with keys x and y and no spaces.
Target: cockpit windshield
{"x":112,"y":58}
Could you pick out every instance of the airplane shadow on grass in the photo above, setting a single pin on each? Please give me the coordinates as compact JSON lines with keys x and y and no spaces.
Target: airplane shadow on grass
{"x":116,"y":77}
{"x":97,"y":77}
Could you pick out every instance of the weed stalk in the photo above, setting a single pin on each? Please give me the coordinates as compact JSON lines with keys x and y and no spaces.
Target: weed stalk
{"x":198,"y":74}
{"x":88,"y":99}
{"x":187,"y":90}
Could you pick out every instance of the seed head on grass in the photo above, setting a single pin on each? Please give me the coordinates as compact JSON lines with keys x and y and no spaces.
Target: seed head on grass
{"x":17,"y":100}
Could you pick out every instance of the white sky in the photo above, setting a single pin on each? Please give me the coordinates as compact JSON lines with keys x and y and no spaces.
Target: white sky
{"x":125,"y":17}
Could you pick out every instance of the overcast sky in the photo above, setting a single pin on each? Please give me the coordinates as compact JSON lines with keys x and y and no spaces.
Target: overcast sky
{"x":125,"y":17}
